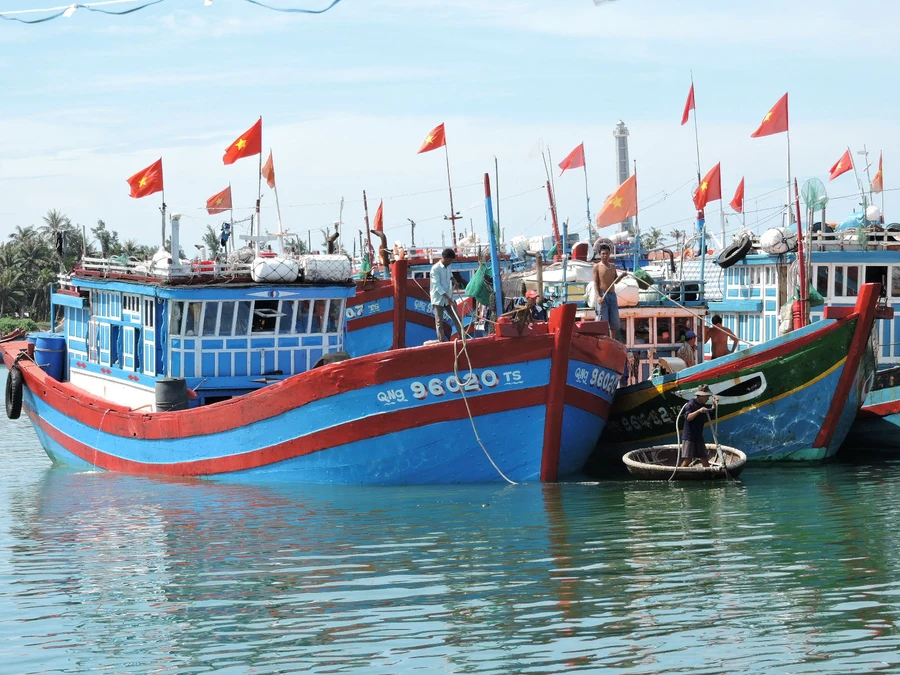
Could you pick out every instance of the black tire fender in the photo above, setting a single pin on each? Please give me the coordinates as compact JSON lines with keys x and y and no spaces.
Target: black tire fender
{"x":734,"y":253}
{"x":14,"y":393}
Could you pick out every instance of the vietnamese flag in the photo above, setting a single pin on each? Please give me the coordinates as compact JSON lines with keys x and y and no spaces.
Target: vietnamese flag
{"x":620,"y":205}
{"x":775,"y":121}
{"x":688,"y":106}
{"x":219,"y":202}
{"x":878,"y":181}
{"x":147,"y":181}
{"x":379,"y":218}
{"x":248,"y":144}
{"x":435,"y":139}
{"x":573,"y":160}
{"x":268,"y":171}
{"x":738,"y":202}
{"x":843,"y":165}
{"x":710,"y":188}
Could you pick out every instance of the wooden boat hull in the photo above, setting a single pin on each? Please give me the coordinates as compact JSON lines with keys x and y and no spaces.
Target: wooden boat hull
{"x":877,"y":426}
{"x":792,"y":398}
{"x":392,"y":418}
{"x":659,"y":463}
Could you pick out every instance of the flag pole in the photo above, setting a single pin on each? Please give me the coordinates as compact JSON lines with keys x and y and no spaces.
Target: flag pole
{"x":230,"y":218}
{"x":259,"y":185}
{"x":637,"y":227}
{"x":450,"y":190}
{"x":587,"y":196}
{"x":163,"y":211}
{"x":862,"y":192}
{"x":789,"y":199}
{"x":277,"y":205}
{"x":700,"y":214}
{"x":369,"y":251}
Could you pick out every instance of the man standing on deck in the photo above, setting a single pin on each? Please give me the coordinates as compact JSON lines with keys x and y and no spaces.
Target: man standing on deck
{"x":442,"y":294}
{"x":696,"y":414}
{"x":688,"y":350}
{"x":606,"y":275}
{"x":718,"y":336}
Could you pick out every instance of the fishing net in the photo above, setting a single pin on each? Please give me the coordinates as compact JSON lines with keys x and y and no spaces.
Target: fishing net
{"x":478,"y":288}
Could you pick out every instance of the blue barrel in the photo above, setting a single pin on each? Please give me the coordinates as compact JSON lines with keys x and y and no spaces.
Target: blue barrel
{"x":32,"y":337}
{"x":50,"y":354}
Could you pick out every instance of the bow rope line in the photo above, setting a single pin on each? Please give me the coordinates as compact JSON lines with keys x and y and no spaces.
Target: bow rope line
{"x":68,"y":10}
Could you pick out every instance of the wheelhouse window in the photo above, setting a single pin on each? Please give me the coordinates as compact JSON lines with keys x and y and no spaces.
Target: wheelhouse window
{"x":226,"y":319}
{"x":895,"y":281}
{"x":286,"y":322}
{"x":852,"y":280}
{"x":822,"y":280}
{"x":641,"y":331}
{"x":335,"y":312}
{"x":210,"y":318}
{"x":663,"y":330}
{"x":265,"y":316}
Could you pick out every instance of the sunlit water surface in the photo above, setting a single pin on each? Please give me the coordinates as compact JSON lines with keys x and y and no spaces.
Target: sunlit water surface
{"x":795,"y":570}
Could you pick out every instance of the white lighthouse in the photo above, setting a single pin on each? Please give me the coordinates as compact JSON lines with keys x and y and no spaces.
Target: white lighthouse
{"x":623,"y":164}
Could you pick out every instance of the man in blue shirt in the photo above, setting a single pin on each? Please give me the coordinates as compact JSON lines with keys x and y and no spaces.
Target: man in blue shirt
{"x":696,"y":415}
{"x":442,"y":294}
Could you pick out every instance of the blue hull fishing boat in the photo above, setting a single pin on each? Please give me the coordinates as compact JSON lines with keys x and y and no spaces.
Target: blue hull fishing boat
{"x":167,"y":370}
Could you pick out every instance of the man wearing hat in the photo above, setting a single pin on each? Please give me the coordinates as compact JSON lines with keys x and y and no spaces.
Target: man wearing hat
{"x":688,"y":350}
{"x":537,"y":312}
{"x":696,"y":415}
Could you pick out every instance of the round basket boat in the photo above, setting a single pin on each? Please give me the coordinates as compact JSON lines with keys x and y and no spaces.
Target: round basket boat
{"x":658,"y":463}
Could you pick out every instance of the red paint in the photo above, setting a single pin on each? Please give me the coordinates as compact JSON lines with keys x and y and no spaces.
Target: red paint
{"x":276,"y":398}
{"x":762,"y":357}
{"x":350,"y":432}
{"x":370,"y":291}
{"x":880,"y":409}
{"x":603,"y":352}
{"x":399,"y":271}
{"x":865,"y":306}
{"x":832,"y":312}
{"x":591,"y":403}
{"x":369,"y":321}
{"x":562,"y":321}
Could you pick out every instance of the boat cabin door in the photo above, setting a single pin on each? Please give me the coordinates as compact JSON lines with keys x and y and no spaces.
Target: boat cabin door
{"x":148,"y":324}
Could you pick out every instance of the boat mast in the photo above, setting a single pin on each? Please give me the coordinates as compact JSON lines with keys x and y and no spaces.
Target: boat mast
{"x":492,"y":237}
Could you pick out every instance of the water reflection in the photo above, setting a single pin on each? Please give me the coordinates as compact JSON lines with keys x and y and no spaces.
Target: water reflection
{"x":789,"y":569}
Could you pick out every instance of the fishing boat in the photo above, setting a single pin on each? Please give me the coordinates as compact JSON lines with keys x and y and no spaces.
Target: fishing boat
{"x":660,"y":462}
{"x":169,"y":370}
{"x":790,"y":398}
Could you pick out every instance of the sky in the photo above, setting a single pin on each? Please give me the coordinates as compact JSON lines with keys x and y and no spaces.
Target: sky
{"x":348,"y":96}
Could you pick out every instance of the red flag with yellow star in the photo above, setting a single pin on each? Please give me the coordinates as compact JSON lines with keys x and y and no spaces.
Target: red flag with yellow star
{"x":147,"y":181}
{"x":710,"y":188}
{"x":843,"y":165}
{"x":878,"y":181}
{"x":435,"y":139}
{"x":620,"y":205}
{"x":219,"y":202}
{"x":248,"y":144}
{"x":775,"y":121}
{"x":738,"y":202}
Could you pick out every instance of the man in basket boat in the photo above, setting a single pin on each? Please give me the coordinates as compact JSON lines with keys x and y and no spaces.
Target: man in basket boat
{"x":696,"y":413}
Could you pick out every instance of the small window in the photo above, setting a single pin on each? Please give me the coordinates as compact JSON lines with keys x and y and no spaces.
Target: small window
{"x":682,"y":325}
{"x":318,"y":316}
{"x":175,"y":321}
{"x":895,"y":281}
{"x":210,"y":317}
{"x":265,"y":316}
{"x":641,"y":331}
{"x":852,"y":280}
{"x":335,"y":309}
{"x":242,"y":321}
{"x":226,"y":320}
{"x":301,"y":322}
{"x":663,"y":330}
{"x":838,"y":281}
{"x":286,"y":324}
{"x":822,"y":280}
{"x":192,"y":318}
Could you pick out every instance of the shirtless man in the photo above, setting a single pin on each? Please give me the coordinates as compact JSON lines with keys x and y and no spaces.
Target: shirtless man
{"x":605,"y":277}
{"x":719,"y":336}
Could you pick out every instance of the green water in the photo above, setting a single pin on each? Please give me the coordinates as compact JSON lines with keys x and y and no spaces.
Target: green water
{"x":795,"y":570}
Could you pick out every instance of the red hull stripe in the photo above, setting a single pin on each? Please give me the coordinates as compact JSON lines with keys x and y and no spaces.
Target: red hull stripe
{"x":562,"y":323}
{"x":357,"y":430}
{"x":369,"y":321}
{"x":371,"y":291}
{"x":880,"y":409}
{"x":579,"y":398}
{"x":762,"y":357}
{"x":278,"y":398}
{"x":865,"y":306}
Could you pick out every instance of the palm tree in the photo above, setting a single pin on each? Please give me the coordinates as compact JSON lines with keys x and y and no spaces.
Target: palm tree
{"x":11,"y":291}
{"x":55,"y":221}
{"x":678,"y":236}
{"x":211,"y":241}
{"x":652,"y":238}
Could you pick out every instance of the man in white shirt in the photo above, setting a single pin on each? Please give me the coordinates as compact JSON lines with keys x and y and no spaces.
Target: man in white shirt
{"x":442,"y":294}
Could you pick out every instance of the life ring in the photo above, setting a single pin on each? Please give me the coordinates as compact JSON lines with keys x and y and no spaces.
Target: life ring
{"x":689,"y":254}
{"x":14,"y":393}
{"x":734,"y":253}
